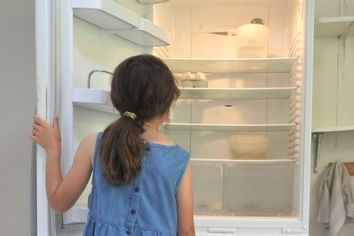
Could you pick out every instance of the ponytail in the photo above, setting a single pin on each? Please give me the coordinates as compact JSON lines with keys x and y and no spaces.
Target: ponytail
{"x":121,"y":150}
{"x":142,"y":88}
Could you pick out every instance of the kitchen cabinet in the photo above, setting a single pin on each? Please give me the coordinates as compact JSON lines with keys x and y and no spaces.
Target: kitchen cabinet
{"x":333,"y":75}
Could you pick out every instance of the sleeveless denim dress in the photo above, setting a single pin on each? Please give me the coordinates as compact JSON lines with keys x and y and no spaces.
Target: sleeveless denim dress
{"x":144,"y":207}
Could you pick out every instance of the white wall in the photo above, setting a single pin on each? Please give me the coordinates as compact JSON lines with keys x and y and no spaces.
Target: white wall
{"x":17,"y":103}
{"x":191,"y":26}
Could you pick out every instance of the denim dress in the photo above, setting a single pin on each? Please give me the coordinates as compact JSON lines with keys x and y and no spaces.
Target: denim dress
{"x":144,"y":207}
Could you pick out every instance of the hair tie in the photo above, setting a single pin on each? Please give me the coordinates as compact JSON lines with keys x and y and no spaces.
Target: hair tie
{"x":130,"y":114}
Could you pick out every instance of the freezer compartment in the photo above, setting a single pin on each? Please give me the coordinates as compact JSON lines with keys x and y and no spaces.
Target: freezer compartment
{"x":244,"y":188}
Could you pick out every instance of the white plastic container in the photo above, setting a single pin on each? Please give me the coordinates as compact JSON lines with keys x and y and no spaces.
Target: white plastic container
{"x":252,"y":40}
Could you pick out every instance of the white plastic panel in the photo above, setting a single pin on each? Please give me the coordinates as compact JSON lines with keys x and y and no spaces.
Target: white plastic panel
{"x":94,"y":99}
{"x":82,"y":95}
{"x":105,"y":14}
{"x":146,"y":34}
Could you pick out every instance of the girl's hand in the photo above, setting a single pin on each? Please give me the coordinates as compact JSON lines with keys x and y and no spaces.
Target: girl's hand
{"x":47,"y":136}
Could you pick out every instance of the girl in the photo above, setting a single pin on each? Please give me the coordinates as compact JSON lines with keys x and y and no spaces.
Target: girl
{"x":141,"y":183}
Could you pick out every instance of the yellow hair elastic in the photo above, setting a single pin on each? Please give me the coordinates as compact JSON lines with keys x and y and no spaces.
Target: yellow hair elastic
{"x":130,"y":114}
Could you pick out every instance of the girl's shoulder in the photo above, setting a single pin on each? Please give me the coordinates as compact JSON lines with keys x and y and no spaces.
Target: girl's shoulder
{"x":89,"y":140}
{"x":89,"y":143}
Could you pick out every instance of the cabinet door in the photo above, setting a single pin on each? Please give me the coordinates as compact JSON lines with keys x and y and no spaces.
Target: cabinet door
{"x":346,"y":7}
{"x":346,"y":82}
{"x":325,"y":83}
{"x":327,"y":8}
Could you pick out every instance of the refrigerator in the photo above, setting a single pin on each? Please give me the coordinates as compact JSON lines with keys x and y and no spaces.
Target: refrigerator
{"x":243,"y":114}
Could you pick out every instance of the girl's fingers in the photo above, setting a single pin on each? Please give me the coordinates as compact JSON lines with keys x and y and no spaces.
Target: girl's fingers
{"x":34,"y":138}
{"x":39,"y":121}
{"x":34,"y":133}
{"x":36,"y":127}
{"x":56,"y":122}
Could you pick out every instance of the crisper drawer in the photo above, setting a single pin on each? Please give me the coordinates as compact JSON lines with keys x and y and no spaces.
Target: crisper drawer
{"x":207,"y":188}
{"x":243,"y":188}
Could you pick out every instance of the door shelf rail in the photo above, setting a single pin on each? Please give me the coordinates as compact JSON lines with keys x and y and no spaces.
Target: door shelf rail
{"x":119,"y":20}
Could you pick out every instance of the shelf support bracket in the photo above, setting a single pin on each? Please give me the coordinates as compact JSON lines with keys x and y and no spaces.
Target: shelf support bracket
{"x":317,"y":141}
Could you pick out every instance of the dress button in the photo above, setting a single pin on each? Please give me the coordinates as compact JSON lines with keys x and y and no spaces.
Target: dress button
{"x":137,"y":189}
{"x":132,"y":211}
{"x":128,"y":232}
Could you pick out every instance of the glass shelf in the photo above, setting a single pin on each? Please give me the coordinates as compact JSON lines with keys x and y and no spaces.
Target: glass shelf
{"x":152,"y":1}
{"x":230,"y":127}
{"x":110,"y":16}
{"x":237,"y":93}
{"x":97,"y":99}
{"x":231,"y":65}
{"x":233,"y":161}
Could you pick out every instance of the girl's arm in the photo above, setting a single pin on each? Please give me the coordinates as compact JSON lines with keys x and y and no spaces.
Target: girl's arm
{"x":62,"y":192}
{"x":185,"y":205}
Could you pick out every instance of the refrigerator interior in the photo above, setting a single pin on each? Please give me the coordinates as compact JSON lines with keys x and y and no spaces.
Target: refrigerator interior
{"x":239,"y":171}
{"x":227,"y":181}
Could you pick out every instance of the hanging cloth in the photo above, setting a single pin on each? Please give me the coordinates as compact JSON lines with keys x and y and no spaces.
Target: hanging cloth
{"x":336,"y":198}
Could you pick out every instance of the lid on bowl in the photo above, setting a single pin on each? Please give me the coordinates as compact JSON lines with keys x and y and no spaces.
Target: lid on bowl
{"x":257,"y":21}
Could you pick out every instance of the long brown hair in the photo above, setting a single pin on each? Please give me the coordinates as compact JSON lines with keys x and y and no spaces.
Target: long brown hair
{"x":142,"y":85}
